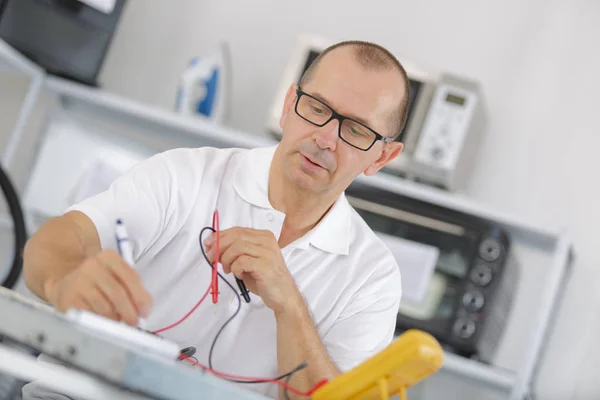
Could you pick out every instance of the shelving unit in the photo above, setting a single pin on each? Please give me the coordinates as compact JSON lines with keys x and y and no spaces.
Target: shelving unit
{"x":515,"y":384}
{"x":14,"y":62}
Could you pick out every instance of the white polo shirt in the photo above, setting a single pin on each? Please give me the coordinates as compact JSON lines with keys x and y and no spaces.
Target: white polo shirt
{"x":349,"y":279}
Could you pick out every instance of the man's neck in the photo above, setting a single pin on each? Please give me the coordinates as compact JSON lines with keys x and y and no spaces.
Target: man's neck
{"x":303,"y":210}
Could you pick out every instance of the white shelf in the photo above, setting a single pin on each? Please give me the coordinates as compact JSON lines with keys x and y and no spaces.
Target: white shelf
{"x":119,"y":108}
{"x":460,"y":203}
{"x":483,"y":374}
{"x":14,"y":61}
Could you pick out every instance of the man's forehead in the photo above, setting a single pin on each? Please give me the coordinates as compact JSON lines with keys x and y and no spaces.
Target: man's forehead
{"x":352,"y":90}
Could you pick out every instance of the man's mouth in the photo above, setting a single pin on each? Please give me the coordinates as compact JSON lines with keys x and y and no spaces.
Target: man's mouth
{"x":312,"y":162}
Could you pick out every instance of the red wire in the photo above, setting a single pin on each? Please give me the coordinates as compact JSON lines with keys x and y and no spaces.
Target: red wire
{"x":266,"y":380}
{"x":185,"y":316}
{"x":223,"y":374}
{"x":213,"y":283}
{"x":215,"y":280}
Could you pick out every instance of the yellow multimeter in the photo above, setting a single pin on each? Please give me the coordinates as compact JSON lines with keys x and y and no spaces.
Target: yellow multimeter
{"x":413,"y":356}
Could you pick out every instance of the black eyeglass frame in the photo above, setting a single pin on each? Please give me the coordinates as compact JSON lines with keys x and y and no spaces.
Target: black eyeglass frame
{"x":340,"y":118}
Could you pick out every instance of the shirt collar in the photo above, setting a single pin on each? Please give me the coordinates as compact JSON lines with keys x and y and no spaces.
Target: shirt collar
{"x":251,"y":179}
{"x":332,"y":233}
{"x":251,"y":182}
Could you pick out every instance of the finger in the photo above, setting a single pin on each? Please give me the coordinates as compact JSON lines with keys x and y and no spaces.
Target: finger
{"x":78,"y":303}
{"x":243,"y":264}
{"x":74,"y":299}
{"x":237,"y":249}
{"x":207,"y":239}
{"x":210,"y":254}
{"x":82,"y":304}
{"x":117,"y":295}
{"x":209,"y":244}
{"x":130,"y":279}
{"x":231,"y":235}
{"x":99,"y":303}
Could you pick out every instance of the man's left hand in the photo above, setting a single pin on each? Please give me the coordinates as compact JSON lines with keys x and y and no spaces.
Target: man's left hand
{"x":255,"y":257}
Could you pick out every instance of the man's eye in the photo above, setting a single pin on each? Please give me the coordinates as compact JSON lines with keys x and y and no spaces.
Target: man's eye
{"x":317,"y":110}
{"x":355,"y":132}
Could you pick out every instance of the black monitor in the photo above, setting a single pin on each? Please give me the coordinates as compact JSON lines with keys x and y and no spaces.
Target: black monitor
{"x":65,"y":37}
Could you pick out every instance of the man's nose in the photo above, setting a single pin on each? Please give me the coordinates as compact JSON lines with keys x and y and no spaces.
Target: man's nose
{"x":326,"y":137}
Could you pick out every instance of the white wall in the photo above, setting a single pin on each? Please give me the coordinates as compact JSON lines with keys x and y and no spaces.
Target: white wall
{"x":538,"y":62}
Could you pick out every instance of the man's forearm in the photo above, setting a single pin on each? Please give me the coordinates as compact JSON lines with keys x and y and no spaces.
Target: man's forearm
{"x":298,"y":341}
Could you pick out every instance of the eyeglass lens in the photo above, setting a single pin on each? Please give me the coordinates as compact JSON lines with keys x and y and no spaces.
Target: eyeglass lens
{"x":319,"y":113}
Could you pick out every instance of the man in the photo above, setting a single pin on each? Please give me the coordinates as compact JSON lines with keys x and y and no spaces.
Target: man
{"x":324,"y":289}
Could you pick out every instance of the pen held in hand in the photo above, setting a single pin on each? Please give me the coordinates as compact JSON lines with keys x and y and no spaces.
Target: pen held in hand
{"x":126,"y":252}
{"x":123,"y":243}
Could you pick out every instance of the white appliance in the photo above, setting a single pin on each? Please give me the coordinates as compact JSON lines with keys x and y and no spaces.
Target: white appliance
{"x":445,"y":122}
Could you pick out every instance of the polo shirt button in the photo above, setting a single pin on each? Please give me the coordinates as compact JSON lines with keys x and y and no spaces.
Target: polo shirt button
{"x":270,"y":217}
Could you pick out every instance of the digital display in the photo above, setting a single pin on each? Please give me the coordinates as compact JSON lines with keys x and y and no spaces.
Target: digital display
{"x":453,"y":261}
{"x":452,"y":98}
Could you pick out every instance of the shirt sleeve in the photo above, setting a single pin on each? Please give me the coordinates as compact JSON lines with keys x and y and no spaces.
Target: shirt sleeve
{"x":368,"y":323}
{"x":141,"y":198}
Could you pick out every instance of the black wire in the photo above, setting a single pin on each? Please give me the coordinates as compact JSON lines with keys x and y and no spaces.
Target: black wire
{"x":285,"y":389}
{"x":19,"y":228}
{"x":212,"y":346}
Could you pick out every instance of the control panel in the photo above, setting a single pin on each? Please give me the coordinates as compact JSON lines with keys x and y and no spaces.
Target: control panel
{"x":446,"y":127}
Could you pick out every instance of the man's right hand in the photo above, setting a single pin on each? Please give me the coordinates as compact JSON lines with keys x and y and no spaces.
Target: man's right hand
{"x":104,"y":284}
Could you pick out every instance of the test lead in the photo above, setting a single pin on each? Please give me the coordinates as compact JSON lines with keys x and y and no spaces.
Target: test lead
{"x":244,"y":291}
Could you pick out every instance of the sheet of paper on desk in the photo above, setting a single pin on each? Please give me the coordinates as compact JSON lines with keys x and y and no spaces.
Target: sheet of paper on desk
{"x":105,"y":6}
{"x":417,"y":262}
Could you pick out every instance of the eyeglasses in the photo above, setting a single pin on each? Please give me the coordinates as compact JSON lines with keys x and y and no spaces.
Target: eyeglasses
{"x":350,"y":131}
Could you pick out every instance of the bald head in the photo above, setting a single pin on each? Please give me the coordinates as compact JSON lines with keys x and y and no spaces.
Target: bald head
{"x":375,"y":58}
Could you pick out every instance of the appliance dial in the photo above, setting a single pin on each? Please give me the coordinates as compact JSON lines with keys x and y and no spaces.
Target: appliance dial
{"x":490,"y":250}
{"x":464,"y":328}
{"x":473,"y":300}
{"x":481,"y":275}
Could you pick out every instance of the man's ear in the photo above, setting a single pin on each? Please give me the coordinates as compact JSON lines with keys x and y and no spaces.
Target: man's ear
{"x":389,"y":152}
{"x":290,"y":96}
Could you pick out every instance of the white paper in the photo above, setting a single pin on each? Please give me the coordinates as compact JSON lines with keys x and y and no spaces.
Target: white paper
{"x":94,"y":180}
{"x":105,"y":6}
{"x":417,"y":263}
